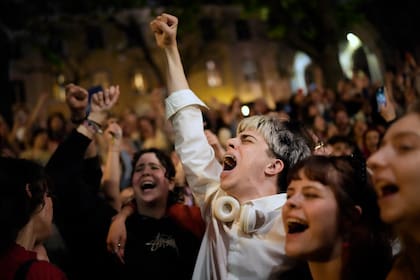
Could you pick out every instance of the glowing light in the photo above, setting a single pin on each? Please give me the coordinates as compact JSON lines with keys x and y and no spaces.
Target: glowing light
{"x":214,"y":78}
{"x":138,"y":81}
{"x":346,"y":53}
{"x":245,"y":110}
{"x":354,"y":41}
{"x":302,"y":61}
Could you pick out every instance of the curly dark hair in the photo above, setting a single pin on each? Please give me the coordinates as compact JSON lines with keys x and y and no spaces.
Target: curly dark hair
{"x":166,"y":161}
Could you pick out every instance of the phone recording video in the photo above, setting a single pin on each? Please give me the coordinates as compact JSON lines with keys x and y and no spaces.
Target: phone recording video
{"x":380,"y":97}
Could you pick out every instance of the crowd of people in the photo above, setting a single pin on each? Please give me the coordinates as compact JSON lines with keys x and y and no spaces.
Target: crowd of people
{"x":323,"y":186}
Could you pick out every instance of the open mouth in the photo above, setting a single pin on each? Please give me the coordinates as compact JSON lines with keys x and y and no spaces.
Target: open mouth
{"x":389,"y":190}
{"x":147,"y":185}
{"x":296,"y":226}
{"x":229,"y":162}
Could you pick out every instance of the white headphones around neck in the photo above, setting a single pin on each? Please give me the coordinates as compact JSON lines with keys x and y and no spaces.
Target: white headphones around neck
{"x":227,"y":208}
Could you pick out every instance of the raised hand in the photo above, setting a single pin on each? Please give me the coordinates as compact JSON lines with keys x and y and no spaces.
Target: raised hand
{"x":105,"y":100}
{"x":113,"y":136}
{"x":102,"y":102}
{"x":214,"y":142}
{"x":387,"y":110}
{"x":165,"y":28}
{"x":77,"y":101}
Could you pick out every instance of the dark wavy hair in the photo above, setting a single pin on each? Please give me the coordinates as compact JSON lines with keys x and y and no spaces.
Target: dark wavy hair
{"x":368,"y":252}
{"x":23,"y":184}
{"x":163,"y":158}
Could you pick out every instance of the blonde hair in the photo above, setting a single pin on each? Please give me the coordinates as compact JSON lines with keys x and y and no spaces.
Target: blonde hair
{"x":286,"y":140}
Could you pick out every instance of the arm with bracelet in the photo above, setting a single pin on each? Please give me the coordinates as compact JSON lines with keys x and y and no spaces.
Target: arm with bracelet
{"x":100,"y":103}
{"x":83,"y":216}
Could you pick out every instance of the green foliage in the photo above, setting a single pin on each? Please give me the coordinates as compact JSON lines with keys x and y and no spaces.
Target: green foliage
{"x":312,"y":26}
{"x":53,"y":58}
{"x":277,"y":32}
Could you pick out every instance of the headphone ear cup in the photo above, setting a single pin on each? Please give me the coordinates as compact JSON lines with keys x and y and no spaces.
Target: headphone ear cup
{"x":248,"y":218}
{"x":226,"y":208}
{"x":251,"y":219}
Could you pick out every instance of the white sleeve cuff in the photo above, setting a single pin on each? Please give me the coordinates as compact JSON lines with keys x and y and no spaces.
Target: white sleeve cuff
{"x":180,"y":99}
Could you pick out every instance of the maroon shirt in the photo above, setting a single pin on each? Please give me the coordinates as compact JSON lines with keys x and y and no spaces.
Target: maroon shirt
{"x":17,"y":255}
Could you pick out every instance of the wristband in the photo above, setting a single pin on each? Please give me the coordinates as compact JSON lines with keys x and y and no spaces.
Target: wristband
{"x":93,"y":126}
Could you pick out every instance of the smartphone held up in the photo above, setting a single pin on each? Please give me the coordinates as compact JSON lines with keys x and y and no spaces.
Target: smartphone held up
{"x":380,"y":97}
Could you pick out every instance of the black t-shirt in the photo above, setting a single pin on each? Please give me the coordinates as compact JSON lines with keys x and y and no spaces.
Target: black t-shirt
{"x":159,"y":249}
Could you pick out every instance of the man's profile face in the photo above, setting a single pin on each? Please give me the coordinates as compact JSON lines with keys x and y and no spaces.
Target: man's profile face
{"x":245,"y":163}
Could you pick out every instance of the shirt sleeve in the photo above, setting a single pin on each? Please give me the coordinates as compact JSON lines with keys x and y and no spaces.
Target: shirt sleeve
{"x":202,"y":169}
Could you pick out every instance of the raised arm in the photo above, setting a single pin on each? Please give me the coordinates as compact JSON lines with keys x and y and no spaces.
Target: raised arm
{"x":112,"y":170}
{"x":82,"y":216}
{"x":165,"y":28}
{"x":202,"y":169}
{"x":66,"y":162}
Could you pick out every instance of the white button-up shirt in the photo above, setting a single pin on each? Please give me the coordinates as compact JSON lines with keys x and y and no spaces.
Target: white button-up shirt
{"x":226,"y":252}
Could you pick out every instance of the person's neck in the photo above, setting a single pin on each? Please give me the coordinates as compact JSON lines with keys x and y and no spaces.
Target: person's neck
{"x":156,"y":211}
{"x":410,"y":228}
{"x":26,"y":237}
{"x":415,"y":233}
{"x":329,"y":270}
{"x":247,"y":194}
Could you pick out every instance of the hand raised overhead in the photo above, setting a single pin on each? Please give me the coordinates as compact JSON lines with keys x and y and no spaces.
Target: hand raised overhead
{"x":105,"y":100}
{"x":165,"y":28}
{"x":77,"y":101}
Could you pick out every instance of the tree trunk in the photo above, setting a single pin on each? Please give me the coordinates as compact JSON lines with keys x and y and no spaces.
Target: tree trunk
{"x":331,"y":68}
{"x":136,"y":38}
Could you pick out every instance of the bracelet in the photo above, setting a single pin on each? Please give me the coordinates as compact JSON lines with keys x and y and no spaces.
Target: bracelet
{"x":93,"y":126}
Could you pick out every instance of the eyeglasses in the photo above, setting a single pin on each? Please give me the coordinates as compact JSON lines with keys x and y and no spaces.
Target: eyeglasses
{"x":319,"y":145}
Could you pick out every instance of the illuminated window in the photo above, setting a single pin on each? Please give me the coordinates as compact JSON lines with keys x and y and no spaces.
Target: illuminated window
{"x":214,"y":79}
{"x":59,"y":91}
{"x":250,"y":70}
{"x":138,"y":82}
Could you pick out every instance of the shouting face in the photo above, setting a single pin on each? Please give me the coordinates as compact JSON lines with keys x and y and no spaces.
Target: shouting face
{"x":149,"y":181}
{"x":396,"y":174}
{"x":310,"y":220}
